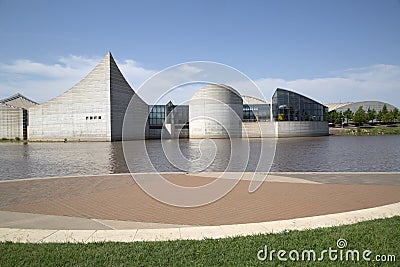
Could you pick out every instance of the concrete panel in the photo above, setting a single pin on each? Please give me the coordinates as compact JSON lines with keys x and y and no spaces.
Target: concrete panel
{"x":121,"y":95}
{"x":302,"y":128}
{"x":285,"y":129}
{"x":81,"y":113}
{"x":263,"y":129}
{"x":215,"y":111}
{"x":92,"y":110}
{"x":11,"y":122}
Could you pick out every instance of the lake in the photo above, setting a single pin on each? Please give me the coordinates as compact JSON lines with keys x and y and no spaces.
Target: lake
{"x":311,"y":154}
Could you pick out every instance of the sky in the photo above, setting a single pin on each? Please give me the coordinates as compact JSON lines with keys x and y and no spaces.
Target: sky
{"x":331,"y":50}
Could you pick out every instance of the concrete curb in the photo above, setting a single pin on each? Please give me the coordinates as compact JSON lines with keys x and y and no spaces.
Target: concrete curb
{"x":196,"y":233}
{"x":200,"y":174}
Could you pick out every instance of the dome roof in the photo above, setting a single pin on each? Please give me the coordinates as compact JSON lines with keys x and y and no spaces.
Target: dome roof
{"x":220,"y":92}
{"x":353,"y":106}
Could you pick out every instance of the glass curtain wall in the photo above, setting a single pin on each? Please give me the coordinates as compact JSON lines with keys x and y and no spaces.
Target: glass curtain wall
{"x":156,"y":116}
{"x":256,"y":112}
{"x":290,"y":106}
{"x":159,"y":113}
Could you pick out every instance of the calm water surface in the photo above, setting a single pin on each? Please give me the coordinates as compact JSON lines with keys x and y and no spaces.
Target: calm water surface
{"x":330,"y":153}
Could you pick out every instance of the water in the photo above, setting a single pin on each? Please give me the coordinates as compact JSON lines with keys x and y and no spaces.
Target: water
{"x":316,"y":154}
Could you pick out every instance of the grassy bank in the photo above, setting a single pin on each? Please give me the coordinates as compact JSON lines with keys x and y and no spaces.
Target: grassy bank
{"x":373,"y":130}
{"x":17,"y":140}
{"x":380,"y":236}
{"x":10,"y":140}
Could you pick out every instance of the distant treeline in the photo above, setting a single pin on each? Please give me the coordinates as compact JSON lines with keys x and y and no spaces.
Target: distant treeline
{"x":361,"y":116}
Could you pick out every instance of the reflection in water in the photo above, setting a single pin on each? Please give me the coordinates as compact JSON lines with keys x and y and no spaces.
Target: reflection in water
{"x":364,"y":153}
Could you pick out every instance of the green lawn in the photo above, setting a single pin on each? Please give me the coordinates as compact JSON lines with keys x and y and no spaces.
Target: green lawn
{"x":10,"y":140}
{"x":376,"y":130}
{"x":380,"y":236}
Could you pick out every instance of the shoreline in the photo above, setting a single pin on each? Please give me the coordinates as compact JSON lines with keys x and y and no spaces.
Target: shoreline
{"x":332,"y":132}
{"x":207,"y":174}
{"x":365,"y":131}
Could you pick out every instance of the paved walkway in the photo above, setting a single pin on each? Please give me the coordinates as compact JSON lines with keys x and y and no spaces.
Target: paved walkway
{"x":195,"y":233}
{"x":113,"y":207}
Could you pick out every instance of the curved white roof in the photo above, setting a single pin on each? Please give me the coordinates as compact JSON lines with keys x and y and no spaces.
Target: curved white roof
{"x":353,"y":106}
{"x":334,"y":106}
{"x":252,"y":100}
{"x":217,"y":90}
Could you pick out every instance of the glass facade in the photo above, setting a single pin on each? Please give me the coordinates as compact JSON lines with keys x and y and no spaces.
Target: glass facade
{"x":256,"y":112}
{"x":286,"y":106}
{"x":158,"y":114}
{"x":290,"y":106}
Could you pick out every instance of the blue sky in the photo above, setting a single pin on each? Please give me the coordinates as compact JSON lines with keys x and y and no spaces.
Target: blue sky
{"x":341,"y":50}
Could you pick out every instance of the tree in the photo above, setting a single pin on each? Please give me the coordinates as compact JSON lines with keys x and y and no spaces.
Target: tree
{"x":396,"y":114}
{"x":332,"y":116}
{"x":384,"y":110}
{"x":371,"y":114}
{"x":348,"y":114}
{"x":360,"y":116}
{"x":388,"y":117}
{"x":339,"y":118}
{"x":379,"y":116}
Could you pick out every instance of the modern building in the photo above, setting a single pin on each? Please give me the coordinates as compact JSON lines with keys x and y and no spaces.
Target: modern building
{"x":168,"y":121}
{"x":298,"y":115}
{"x":92,"y":110}
{"x":96,"y":108}
{"x":353,"y":106}
{"x":14,"y":116}
{"x":216,"y":111}
{"x":255,"y":109}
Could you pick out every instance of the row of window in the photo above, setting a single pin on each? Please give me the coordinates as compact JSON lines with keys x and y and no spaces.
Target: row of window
{"x":290,"y":106}
{"x":256,"y":112}
{"x":93,"y":118}
{"x":286,"y":106}
{"x":180,"y":114}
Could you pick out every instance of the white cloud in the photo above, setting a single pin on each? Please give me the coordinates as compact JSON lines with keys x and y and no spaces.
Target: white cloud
{"x":134,"y":73}
{"x":377,"y":82}
{"x":42,"y":82}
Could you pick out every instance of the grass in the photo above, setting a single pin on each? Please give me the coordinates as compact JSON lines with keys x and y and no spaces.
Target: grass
{"x":5,"y":140}
{"x":376,"y":130}
{"x":367,"y":130}
{"x":16,"y":139}
{"x":381,"y":236}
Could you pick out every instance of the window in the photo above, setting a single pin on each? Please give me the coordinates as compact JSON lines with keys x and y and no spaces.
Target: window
{"x":256,"y":112}
{"x":157,"y":115}
{"x":99,"y":117}
{"x":290,"y":106}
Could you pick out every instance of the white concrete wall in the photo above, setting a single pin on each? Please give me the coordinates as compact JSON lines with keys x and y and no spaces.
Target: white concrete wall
{"x":135,"y":122}
{"x":215,"y":111}
{"x":11,"y":122}
{"x":65,"y":116}
{"x":285,"y":129}
{"x":302,"y":128}
{"x":137,"y":113}
{"x":258,"y":129}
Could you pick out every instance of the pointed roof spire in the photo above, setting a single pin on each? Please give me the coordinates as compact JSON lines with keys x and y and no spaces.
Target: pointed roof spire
{"x":109,"y":55}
